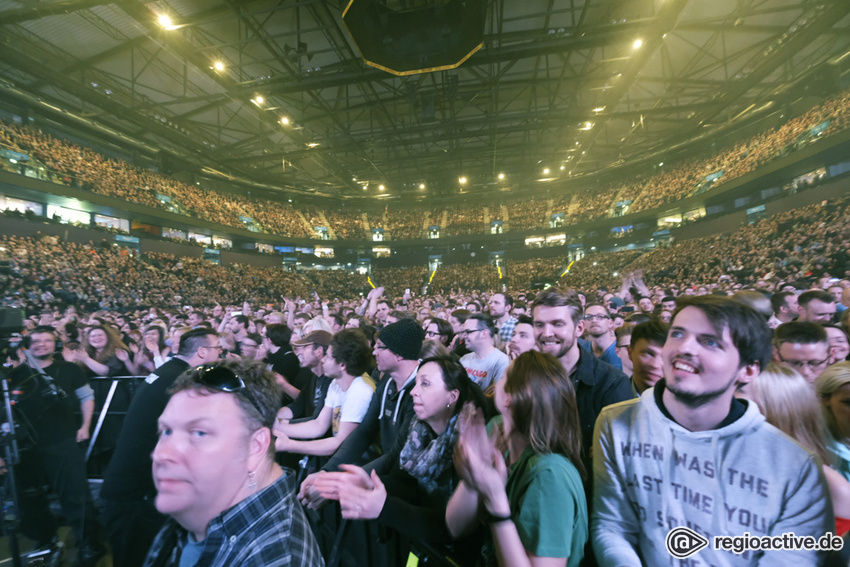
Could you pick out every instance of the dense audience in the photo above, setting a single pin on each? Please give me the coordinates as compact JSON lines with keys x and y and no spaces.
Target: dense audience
{"x":70,"y":164}
{"x":445,"y":488}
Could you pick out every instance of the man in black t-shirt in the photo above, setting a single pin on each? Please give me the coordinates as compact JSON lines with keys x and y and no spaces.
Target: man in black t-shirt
{"x":49,"y":392}
{"x":128,"y":491}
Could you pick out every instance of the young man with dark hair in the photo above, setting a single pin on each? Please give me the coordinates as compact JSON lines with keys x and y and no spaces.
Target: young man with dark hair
{"x":600,"y":339}
{"x":785,"y":308}
{"x":347,"y":361}
{"x":523,"y":339}
{"x":250,"y":345}
{"x":486,"y":364}
{"x":558,"y":323}
{"x":623,"y":335}
{"x":645,"y":305}
{"x":500,"y":310}
{"x":128,"y":491}
{"x":803,"y":347}
{"x":282,"y":360}
{"x":816,"y":306}
{"x":382,"y":311}
{"x":688,"y":453}
{"x":238,"y":326}
{"x":311,"y":351}
{"x":645,"y":345}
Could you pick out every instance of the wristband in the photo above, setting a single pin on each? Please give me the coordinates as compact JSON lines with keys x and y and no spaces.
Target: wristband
{"x":490,"y":518}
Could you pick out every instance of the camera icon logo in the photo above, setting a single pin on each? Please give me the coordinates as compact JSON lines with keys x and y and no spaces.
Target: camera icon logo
{"x":683,"y":542}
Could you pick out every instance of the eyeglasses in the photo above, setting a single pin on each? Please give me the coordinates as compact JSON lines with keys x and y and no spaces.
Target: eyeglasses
{"x":596,"y":317}
{"x":467,"y":332}
{"x":799,"y":364}
{"x":433,"y":334}
{"x":224,"y":379}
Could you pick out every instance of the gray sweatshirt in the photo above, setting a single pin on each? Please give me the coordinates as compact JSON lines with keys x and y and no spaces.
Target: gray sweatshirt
{"x":652,"y":475}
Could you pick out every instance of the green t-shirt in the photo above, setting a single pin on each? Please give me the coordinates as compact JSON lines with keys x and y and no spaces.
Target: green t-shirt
{"x":548,"y":506}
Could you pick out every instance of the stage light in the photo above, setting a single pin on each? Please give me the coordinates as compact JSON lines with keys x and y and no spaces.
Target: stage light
{"x":166,"y":22}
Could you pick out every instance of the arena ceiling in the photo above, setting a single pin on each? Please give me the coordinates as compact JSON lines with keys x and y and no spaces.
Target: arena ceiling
{"x":572,"y":86}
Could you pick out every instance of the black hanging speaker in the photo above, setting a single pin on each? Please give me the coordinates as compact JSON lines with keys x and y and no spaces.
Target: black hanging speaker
{"x":405,"y":37}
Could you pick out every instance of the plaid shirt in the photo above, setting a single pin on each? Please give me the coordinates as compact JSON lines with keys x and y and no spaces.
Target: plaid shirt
{"x":507,"y":330}
{"x":267,"y":529}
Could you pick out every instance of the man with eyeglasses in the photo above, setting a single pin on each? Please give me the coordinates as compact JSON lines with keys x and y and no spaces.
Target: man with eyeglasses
{"x":599,"y":337}
{"x":803,"y":347}
{"x":486,"y":364}
{"x":127,"y":494}
{"x":213,"y":466}
{"x":250,"y":345}
{"x":347,"y":361}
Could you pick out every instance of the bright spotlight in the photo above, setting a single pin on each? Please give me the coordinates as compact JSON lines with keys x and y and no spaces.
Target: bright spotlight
{"x":166,"y":21}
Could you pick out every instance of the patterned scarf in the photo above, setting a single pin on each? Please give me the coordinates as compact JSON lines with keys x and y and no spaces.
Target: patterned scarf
{"x":426,"y":456}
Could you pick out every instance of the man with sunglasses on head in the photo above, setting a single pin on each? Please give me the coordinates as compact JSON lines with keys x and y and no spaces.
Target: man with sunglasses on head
{"x":128,"y":491}
{"x":213,"y":466}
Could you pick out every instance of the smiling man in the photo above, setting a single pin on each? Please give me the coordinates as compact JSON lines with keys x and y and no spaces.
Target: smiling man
{"x":558,"y":322}
{"x":215,"y":475}
{"x":646,"y":342}
{"x":688,"y":453}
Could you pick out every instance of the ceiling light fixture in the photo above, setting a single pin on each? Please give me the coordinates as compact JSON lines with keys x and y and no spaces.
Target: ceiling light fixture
{"x":166,"y":21}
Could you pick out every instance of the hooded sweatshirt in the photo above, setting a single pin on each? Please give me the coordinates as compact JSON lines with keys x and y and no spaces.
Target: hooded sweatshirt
{"x":652,"y":475}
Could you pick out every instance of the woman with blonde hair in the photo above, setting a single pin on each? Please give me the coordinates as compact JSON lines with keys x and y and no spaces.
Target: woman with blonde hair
{"x":788,"y":403}
{"x":833,"y":387}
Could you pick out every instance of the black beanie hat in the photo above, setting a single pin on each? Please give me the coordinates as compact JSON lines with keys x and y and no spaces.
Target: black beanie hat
{"x":403,"y":338}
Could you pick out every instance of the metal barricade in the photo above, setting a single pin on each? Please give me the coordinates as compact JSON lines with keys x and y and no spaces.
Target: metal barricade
{"x":105,"y":398}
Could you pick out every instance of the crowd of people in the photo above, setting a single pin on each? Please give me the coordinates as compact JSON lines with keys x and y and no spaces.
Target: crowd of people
{"x":807,"y":243}
{"x":71,"y":164}
{"x":270,"y":400}
{"x":469,"y":413}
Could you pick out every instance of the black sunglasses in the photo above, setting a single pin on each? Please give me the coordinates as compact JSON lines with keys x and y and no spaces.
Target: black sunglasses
{"x":224,"y":379}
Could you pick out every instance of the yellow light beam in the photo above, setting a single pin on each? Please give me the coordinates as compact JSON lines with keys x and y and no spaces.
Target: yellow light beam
{"x":369,"y":279}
